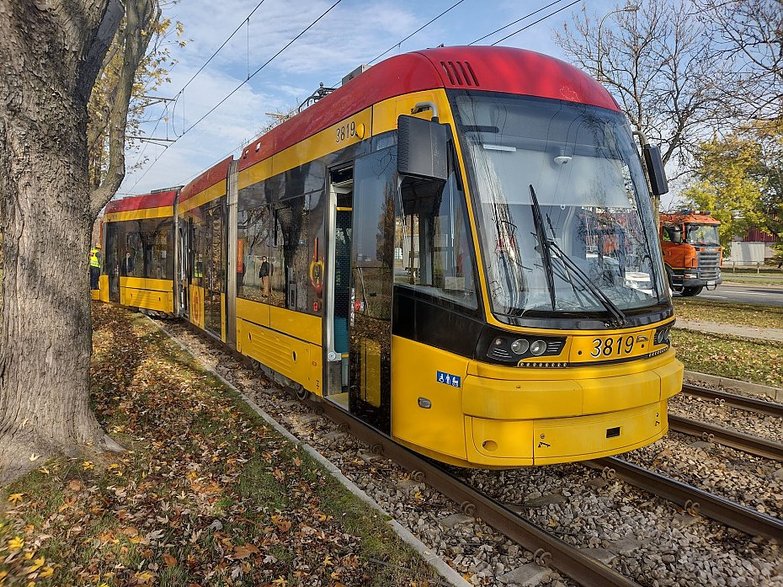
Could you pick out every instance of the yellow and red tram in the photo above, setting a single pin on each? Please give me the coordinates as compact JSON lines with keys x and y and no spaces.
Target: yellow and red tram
{"x":457,"y":246}
{"x":138,"y":266}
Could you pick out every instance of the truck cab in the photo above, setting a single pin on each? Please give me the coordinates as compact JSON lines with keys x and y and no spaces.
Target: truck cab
{"x":691,"y":251}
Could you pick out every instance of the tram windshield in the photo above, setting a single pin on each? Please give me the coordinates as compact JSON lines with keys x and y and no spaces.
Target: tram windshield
{"x":562,"y":207}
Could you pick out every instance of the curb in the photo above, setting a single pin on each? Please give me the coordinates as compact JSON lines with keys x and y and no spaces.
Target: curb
{"x":774,"y":393}
{"x":443,"y":569}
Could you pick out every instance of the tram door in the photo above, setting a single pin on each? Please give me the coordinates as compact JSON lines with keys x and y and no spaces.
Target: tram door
{"x":339,"y":292}
{"x":183,"y":271}
{"x":111,"y":263}
{"x":214,"y":269}
{"x":372,"y":275}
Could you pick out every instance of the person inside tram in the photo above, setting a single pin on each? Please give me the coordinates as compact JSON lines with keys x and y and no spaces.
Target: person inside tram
{"x":263,"y":273}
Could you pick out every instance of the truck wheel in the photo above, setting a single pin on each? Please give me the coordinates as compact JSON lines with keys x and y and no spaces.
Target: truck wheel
{"x":692,"y":291}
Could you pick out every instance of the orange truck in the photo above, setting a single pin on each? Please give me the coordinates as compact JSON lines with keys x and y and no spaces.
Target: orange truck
{"x":691,"y":251}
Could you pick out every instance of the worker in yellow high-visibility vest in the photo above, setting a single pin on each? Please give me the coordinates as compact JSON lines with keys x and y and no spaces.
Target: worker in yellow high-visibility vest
{"x":95,"y":266}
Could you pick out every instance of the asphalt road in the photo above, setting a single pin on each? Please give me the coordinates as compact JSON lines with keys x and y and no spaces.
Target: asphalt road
{"x":745,"y":294}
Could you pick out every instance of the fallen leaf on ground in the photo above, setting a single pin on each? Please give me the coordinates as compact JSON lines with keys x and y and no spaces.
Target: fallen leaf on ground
{"x":15,"y":543}
{"x":245,"y":551}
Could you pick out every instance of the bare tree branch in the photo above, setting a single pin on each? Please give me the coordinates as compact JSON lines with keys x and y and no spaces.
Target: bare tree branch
{"x":655,"y":63}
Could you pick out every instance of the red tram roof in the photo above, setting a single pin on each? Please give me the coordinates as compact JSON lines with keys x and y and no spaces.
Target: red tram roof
{"x":210,"y":177}
{"x":143,"y":202}
{"x":494,"y":69}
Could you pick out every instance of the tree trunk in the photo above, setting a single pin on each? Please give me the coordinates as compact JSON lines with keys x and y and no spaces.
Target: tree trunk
{"x":48,"y":54}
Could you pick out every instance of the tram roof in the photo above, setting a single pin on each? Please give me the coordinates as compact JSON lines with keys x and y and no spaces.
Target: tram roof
{"x":157,"y":199}
{"x":213,"y":175}
{"x":494,"y":69}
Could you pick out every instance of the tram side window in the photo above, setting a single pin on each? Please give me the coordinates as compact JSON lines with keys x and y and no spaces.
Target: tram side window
{"x":146,"y":249}
{"x":297,"y":256}
{"x":208,"y":245}
{"x":433,"y":249}
{"x":255,"y":234}
{"x":132,"y":260}
{"x":157,"y":239}
{"x":281,"y":219}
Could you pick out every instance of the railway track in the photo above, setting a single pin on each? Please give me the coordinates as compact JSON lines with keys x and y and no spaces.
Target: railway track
{"x":735,"y":400}
{"x":548,"y":550}
{"x":727,"y":437}
{"x":711,"y":433}
{"x":695,"y":501}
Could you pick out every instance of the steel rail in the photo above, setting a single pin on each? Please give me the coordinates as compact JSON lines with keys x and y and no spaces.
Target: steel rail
{"x":754,"y":445}
{"x":548,"y":550}
{"x":733,"y":399}
{"x":694,"y":500}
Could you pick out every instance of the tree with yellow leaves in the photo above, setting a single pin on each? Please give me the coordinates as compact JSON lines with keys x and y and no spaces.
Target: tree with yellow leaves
{"x":733,"y":182}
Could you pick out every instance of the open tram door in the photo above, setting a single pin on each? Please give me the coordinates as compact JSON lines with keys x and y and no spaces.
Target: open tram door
{"x":361,"y":276}
{"x":111,"y":262}
{"x":184,"y":259}
{"x":338,"y":294}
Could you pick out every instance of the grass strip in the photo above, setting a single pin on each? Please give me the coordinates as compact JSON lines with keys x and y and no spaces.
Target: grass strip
{"x":738,"y":314}
{"x":205,"y":494}
{"x":748,"y":279}
{"x":736,"y":358}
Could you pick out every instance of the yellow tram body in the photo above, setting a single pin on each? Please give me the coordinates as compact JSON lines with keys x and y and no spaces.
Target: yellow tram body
{"x":269,"y":260}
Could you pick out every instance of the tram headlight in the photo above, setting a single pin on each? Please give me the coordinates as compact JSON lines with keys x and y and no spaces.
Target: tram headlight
{"x":508,"y":349}
{"x":537,"y":348}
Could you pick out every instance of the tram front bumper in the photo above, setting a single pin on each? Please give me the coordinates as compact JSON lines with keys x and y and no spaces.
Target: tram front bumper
{"x":580,"y":413}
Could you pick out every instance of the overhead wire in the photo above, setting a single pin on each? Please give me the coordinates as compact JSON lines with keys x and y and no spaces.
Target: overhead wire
{"x":536,"y":22}
{"x":236,"y":89}
{"x":154,"y":128}
{"x":181,"y":91}
{"x":418,"y":30}
{"x":223,"y":44}
{"x":513,"y":22}
{"x":257,"y":71}
{"x":397,"y":44}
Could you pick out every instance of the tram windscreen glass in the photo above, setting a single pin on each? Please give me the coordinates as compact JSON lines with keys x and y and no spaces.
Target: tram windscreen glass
{"x":562,"y":207}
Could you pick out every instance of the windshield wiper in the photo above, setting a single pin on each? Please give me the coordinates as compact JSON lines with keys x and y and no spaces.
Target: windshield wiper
{"x":541,"y":234}
{"x":550,"y":245}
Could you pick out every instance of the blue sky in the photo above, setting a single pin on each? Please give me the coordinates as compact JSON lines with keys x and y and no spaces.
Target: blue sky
{"x":354,"y":32}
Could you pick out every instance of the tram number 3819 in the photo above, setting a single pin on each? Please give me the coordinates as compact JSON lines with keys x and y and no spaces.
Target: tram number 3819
{"x":612,"y":345}
{"x":345,"y":131}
